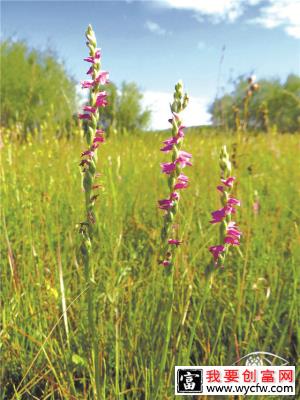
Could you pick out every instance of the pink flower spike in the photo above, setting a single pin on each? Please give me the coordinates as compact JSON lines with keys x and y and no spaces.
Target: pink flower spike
{"x":87,"y":84}
{"x":97,"y":54}
{"x":102,"y":77}
{"x":84,"y":116}
{"x":180,"y":133}
{"x":232,"y":241}
{"x":233,"y":232}
{"x":220,"y":214}
{"x":216,"y":251}
{"x":89,"y":109}
{"x":183,"y":162}
{"x":182,"y":182}
{"x":171,"y":140}
{"x":182,"y":178}
{"x":94,"y":59}
{"x":233,"y":202}
{"x":167,"y":148}
{"x":89,"y":59}
{"x":185,"y":154}
{"x":100,"y":132}
{"x":180,"y":186}
{"x":90,"y":71}
{"x":229,"y":181}
{"x":169,"y":144}
{"x":167,"y":168}
{"x":101,"y":99}
{"x":220,"y":188}
{"x":98,"y":139}
{"x":165,"y":204}
{"x":183,"y":158}
{"x":175,"y":242}
{"x":174,"y":196}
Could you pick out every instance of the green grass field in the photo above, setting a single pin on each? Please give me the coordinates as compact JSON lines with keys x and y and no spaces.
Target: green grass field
{"x":250,"y":305}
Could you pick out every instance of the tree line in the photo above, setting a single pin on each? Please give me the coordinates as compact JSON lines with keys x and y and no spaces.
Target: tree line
{"x":38,"y":93}
{"x":273,"y":105}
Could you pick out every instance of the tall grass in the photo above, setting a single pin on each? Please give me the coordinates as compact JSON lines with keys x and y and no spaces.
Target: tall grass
{"x":252,"y":304}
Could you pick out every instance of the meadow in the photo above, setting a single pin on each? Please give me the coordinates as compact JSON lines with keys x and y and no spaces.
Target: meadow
{"x":251,"y":304}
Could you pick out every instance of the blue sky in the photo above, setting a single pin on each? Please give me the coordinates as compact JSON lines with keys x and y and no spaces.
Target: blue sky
{"x":155,"y":43}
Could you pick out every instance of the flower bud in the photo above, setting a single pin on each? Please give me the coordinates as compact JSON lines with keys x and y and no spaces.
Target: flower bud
{"x":185,"y":101}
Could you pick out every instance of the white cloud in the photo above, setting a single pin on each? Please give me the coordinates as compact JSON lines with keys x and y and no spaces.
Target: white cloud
{"x":155,"y":28}
{"x":217,"y":10}
{"x":271,"y":13}
{"x":284,"y":13}
{"x":159,"y":103}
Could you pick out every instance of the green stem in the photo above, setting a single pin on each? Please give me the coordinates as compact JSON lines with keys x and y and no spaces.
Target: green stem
{"x":92,"y":326}
{"x":168,"y":333}
{"x":193,"y":332}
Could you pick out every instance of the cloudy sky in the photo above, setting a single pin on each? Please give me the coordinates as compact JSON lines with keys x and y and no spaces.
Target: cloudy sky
{"x":155,"y":43}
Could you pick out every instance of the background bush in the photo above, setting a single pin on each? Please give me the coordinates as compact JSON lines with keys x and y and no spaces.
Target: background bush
{"x":279,"y":102}
{"x":34,"y":88}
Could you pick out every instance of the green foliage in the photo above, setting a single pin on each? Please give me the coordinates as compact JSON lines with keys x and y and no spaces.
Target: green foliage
{"x":276,"y":101}
{"x":130,"y":116}
{"x":34,"y":88}
{"x":37,"y":95}
{"x":124,"y":112}
{"x":252,"y":303}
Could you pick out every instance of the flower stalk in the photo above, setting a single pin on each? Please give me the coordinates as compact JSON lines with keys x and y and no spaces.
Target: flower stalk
{"x":177,"y":181}
{"x":229,"y":234}
{"x":94,"y":137}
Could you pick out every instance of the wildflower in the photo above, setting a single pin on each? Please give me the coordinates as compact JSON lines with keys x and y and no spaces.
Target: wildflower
{"x":167,"y":168}
{"x":229,"y":232}
{"x":95,"y":58}
{"x":98,"y":139}
{"x":216,"y":251}
{"x":169,"y":143}
{"x":229,"y":181}
{"x":175,"y":242}
{"x":233,"y":202}
{"x":94,"y":136}
{"x":87,"y":84}
{"x":84,"y":116}
{"x":183,"y":159}
{"x":176,"y":180}
{"x":90,"y":109}
{"x":101,"y":99}
{"x":182,"y":182}
{"x":165,"y":204}
{"x":102,"y":77}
